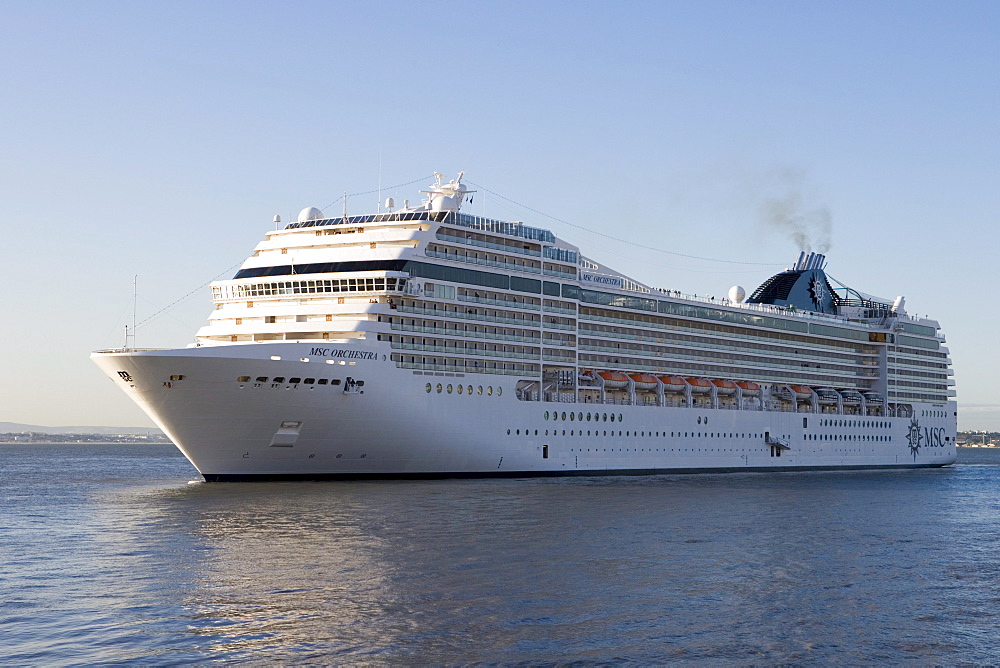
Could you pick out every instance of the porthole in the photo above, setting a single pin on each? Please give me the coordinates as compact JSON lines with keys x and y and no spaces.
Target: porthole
{"x":243,"y":379}
{"x":461,"y":389}
{"x":508,"y":432}
{"x":546,"y":415}
{"x":427,"y":388}
{"x":619,"y":417}
{"x":439,"y":388}
{"x":499,"y":390}
{"x":479,"y":390}
{"x":489,"y":390}
{"x":563,"y":415}
{"x":588,"y":417}
{"x":579,"y":416}
{"x":572,"y":416}
{"x":469,"y":390}
{"x":612,"y":417}
{"x":699,"y":419}
{"x":604,"y":417}
{"x":517,"y":433}
{"x":449,"y":388}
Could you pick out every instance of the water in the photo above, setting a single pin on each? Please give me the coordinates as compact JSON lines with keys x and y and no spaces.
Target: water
{"x":109,"y":555}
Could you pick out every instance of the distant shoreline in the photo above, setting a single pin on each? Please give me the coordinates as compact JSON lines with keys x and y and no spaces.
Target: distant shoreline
{"x":42,"y":438}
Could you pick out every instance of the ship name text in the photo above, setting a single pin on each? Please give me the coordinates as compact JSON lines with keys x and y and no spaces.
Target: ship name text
{"x":343,"y":354}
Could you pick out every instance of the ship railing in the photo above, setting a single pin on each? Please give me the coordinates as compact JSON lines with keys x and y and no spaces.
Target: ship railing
{"x":504,"y":248}
{"x":461,"y":350}
{"x":464,"y":315}
{"x":419,"y":366}
{"x":106,"y":351}
{"x":465,"y":334}
{"x":666,"y":328}
{"x":559,"y":309}
{"x":506,"y":303}
{"x":506,"y":266}
{"x":709,"y":358}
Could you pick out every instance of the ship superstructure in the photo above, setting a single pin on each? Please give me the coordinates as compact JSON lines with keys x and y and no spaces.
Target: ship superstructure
{"x":425,"y":341}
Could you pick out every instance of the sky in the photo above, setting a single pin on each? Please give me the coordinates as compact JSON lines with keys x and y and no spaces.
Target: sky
{"x":158,"y":140}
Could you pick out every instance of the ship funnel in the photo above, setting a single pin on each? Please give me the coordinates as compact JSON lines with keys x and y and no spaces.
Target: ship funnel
{"x":810,"y":260}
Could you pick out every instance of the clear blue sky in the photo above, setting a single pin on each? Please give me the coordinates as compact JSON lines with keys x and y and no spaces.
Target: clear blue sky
{"x":160,"y":138}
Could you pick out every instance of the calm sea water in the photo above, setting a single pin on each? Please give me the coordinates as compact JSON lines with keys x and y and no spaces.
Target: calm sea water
{"x":108,"y":554}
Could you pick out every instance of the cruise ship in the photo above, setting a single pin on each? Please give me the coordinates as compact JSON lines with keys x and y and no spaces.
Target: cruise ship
{"x":422,"y":341}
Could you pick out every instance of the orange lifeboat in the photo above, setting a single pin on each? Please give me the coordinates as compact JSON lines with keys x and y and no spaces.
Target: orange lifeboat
{"x":613,"y":380}
{"x":699,"y":385}
{"x":673,"y":383}
{"x":643,"y":381}
{"x":724,"y":386}
{"x":801,"y":391}
{"x":750,"y":389}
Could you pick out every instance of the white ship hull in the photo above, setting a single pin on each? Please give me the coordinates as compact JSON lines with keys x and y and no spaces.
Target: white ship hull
{"x":388,"y":425}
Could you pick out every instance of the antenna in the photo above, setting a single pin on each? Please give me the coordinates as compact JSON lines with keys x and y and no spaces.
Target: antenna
{"x":345,"y":206}
{"x":134,"y":302}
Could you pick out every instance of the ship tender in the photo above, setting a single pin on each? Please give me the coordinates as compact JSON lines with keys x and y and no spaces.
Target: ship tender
{"x":426,"y":342}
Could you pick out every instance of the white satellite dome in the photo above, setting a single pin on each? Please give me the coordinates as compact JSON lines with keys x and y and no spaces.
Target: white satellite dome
{"x":737,"y":294}
{"x":310,"y":213}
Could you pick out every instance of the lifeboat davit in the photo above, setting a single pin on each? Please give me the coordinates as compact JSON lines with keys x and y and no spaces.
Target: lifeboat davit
{"x":872,"y":397}
{"x":673,"y":383}
{"x":724,"y":386}
{"x":827,"y":395}
{"x":613,"y":380}
{"x":699,"y":385}
{"x":749,"y":389}
{"x":643,"y":381}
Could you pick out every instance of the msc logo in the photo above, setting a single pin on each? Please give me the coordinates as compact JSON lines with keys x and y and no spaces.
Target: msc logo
{"x":126,"y":376}
{"x":931,"y":437}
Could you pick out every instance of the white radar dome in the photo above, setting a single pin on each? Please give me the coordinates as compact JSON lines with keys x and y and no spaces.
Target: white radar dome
{"x":310,"y":213}
{"x":737,"y":294}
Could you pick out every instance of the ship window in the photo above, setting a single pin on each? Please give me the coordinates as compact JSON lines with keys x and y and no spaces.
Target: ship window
{"x":460,"y":389}
{"x":469,"y":390}
{"x":323,"y":381}
{"x":450,"y":388}
{"x":564,"y":415}
{"x":309,"y":381}
{"x":619,"y":417}
{"x":335,"y":381}
{"x":579,"y":416}
{"x":262,"y":379}
{"x":612,"y":417}
{"x":427,"y":388}
{"x":489,"y":390}
{"x":499,"y":391}
{"x":572,"y":416}
{"x":479,"y":390}
{"x":279,"y":379}
{"x":294,"y":380}
{"x":439,"y":388}
{"x":243,"y":379}
{"x":177,"y":378}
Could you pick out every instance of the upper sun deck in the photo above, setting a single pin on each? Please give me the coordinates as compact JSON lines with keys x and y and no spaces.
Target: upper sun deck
{"x":515,"y":229}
